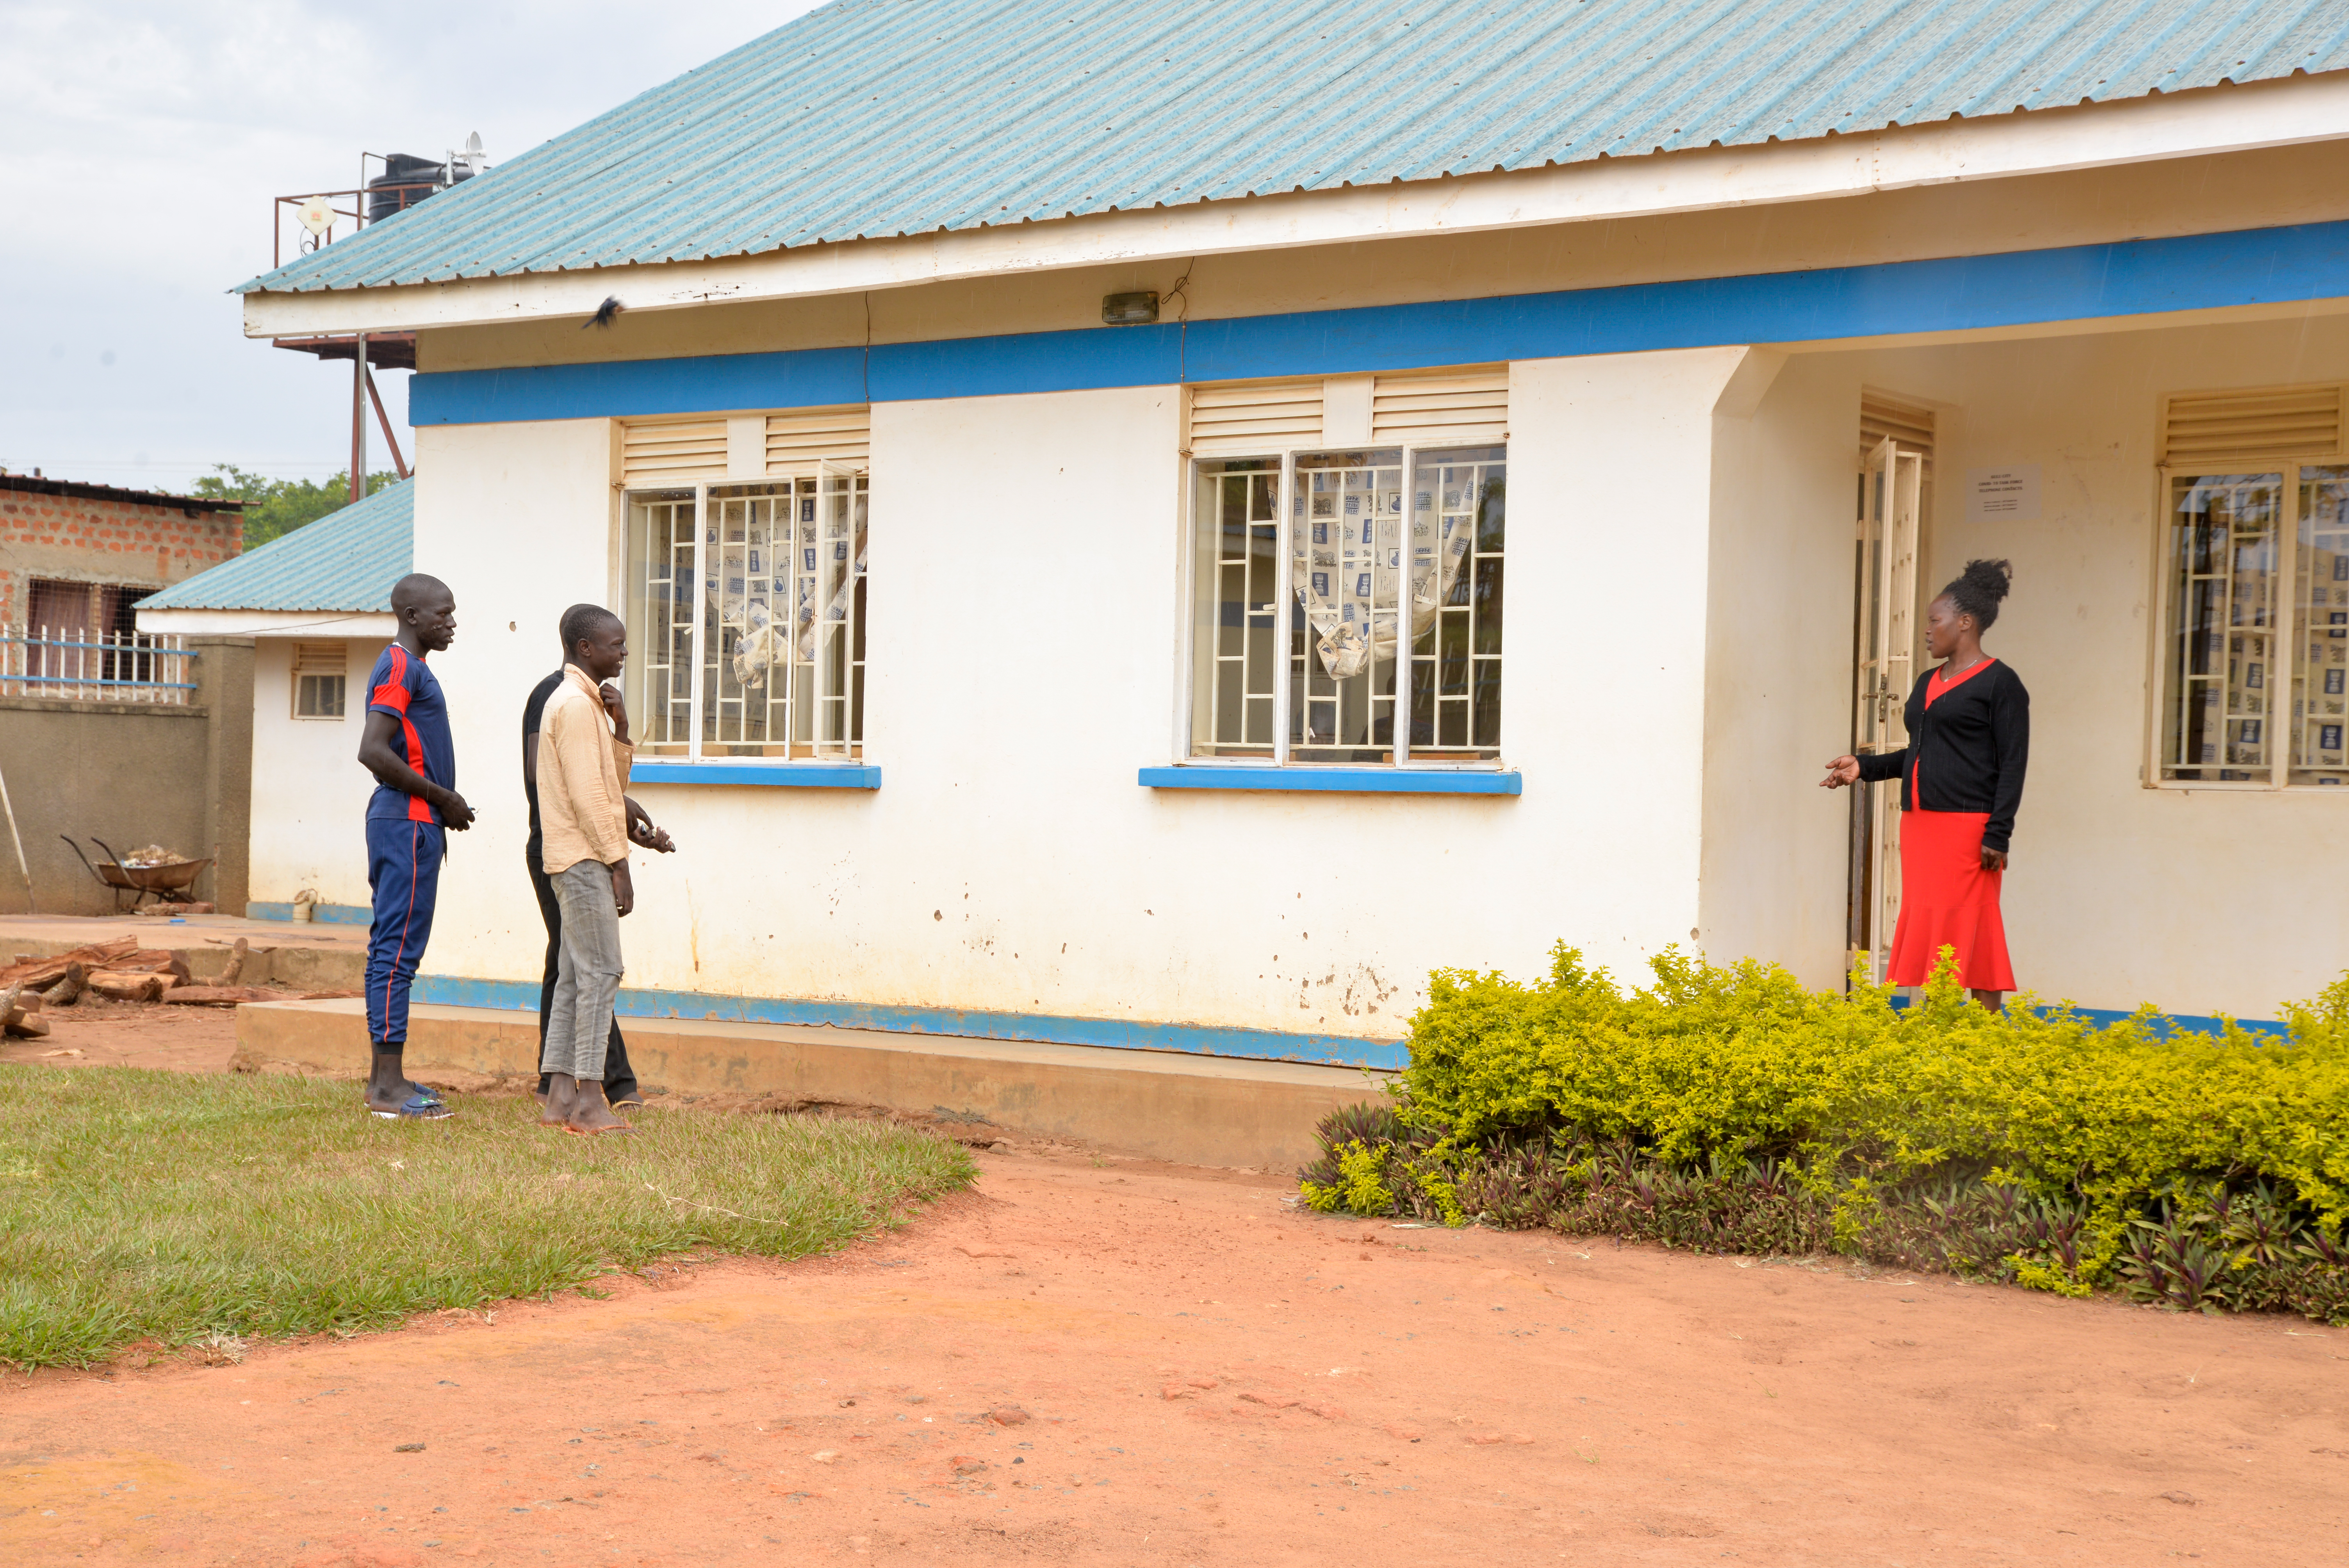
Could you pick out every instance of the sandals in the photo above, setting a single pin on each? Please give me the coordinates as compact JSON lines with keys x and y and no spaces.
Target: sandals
{"x":421,"y":1105}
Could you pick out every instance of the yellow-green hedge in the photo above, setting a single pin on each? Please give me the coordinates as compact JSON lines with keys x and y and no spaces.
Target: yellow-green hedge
{"x":1709,"y":1061}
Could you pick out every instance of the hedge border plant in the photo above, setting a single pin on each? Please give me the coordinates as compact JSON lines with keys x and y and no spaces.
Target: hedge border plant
{"x":1731,"y":1108}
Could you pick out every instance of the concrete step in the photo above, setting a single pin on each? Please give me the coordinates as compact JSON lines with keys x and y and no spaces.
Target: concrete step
{"x":1164,"y":1105}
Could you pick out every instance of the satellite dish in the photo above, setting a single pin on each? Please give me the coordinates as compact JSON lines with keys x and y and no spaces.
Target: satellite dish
{"x":317,"y":215}
{"x":475,"y":158}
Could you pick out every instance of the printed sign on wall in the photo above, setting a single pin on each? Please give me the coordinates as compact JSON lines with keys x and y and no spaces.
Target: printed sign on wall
{"x":2002,"y":495}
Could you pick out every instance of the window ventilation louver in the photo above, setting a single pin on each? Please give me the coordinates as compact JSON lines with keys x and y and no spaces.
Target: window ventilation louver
{"x":1462,"y":407}
{"x":674,"y":452}
{"x":1247,"y":421}
{"x":1910,"y":426}
{"x":798,"y":440}
{"x":2263,"y":424}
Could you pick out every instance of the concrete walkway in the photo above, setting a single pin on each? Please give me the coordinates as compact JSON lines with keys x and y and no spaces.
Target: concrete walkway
{"x":1164,"y":1105}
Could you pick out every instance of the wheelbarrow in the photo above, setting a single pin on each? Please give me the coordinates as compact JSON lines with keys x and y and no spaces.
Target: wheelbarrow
{"x":137,"y":881}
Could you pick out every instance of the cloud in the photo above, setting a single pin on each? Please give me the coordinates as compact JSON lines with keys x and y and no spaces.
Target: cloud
{"x":146,"y":143}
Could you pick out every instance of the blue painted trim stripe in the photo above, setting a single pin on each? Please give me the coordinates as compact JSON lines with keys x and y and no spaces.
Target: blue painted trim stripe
{"x":2166,"y":1025}
{"x":1336,"y":780}
{"x":761,"y":775}
{"x":321,"y":913}
{"x":2130,"y":277}
{"x":1259,"y":1044}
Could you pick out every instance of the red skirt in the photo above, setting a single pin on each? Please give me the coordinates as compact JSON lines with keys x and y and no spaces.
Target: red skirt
{"x":1947,"y":900}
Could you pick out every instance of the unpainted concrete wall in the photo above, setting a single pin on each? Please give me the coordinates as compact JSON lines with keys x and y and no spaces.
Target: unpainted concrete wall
{"x":133,"y":774}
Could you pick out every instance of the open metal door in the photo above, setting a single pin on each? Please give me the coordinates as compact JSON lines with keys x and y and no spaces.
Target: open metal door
{"x":1892,"y":501}
{"x":833,"y":641}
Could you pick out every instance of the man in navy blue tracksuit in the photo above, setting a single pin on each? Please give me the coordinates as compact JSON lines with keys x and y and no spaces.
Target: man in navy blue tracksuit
{"x":407,"y":746}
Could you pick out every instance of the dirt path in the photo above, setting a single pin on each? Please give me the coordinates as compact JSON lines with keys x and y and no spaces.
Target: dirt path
{"x":96,"y":1033}
{"x":1192,"y":1372}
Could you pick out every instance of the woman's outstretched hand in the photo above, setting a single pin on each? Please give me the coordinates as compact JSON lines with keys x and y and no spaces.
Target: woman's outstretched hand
{"x":1843,"y":770}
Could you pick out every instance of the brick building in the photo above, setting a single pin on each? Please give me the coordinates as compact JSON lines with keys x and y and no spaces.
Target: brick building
{"x":77,"y":557}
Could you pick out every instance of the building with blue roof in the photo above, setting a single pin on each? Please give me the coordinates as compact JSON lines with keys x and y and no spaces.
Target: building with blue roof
{"x":1062,"y":470}
{"x":332,"y":577}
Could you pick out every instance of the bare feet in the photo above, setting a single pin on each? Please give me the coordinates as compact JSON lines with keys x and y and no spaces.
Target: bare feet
{"x":560,"y":1089}
{"x":587,"y":1111}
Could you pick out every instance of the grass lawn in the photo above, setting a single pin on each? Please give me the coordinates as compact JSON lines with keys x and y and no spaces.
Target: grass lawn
{"x":138,"y":1205}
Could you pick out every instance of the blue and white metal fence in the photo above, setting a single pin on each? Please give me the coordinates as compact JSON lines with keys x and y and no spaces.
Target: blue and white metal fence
{"x":96,"y":666}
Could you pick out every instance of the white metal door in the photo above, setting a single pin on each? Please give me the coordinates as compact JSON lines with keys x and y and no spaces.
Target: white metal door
{"x":1892,"y":500}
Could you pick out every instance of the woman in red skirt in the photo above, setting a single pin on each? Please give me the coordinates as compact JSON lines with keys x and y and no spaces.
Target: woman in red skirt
{"x":1961,"y":780}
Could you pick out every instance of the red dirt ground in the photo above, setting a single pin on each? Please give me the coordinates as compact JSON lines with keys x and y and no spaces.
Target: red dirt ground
{"x":1102,"y":1361}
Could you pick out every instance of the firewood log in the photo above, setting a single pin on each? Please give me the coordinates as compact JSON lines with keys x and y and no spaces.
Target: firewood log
{"x":221,"y":995}
{"x":126,"y":985}
{"x":20,"y":1013}
{"x":43,"y":972}
{"x":67,"y":990}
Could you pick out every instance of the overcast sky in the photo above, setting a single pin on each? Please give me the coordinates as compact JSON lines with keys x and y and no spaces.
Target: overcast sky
{"x":142,"y":142}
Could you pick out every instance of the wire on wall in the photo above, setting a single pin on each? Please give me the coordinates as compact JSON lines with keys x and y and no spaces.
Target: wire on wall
{"x":1183,"y":323}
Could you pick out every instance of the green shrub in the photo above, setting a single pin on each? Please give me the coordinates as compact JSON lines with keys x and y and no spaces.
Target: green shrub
{"x":1732,"y":1108}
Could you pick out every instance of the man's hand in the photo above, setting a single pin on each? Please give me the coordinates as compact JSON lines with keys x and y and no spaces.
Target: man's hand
{"x":1843,"y":770}
{"x":624,"y":892}
{"x":616,"y":707}
{"x":1993,"y":860}
{"x":455,"y":815}
{"x":642,"y":831}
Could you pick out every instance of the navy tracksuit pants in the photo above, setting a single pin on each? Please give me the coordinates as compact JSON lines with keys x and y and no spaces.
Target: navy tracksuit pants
{"x":404,"y":875}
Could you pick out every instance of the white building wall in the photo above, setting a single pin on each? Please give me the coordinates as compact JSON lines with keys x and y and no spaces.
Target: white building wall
{"x":1777,"y":674}
{"x":309,"y":792}
{"x":1025,"y":648}
{"x":518,"y":520}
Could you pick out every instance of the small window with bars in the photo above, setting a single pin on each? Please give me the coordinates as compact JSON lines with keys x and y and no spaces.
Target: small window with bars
{"x":321,"y":673}
{"x":746,"y":600}
{"x":1347,"y":599}
{"x":2254,"y":628}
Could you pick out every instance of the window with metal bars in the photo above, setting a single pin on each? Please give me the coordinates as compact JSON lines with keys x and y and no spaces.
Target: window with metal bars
{"x":746,"y":618}
{"x":321,"y":673}
{"x":1308,"y":567}
{"x":2254,"y":615}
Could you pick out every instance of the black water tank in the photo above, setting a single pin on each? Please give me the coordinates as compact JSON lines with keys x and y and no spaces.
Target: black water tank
{"x":400,"y":169}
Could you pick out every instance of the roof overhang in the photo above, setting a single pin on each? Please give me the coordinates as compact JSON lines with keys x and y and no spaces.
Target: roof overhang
{"x":371,"y":623}
{"x":2226,"y":118}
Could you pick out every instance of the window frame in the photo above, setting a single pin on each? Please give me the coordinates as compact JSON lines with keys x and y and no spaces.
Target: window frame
{"x":297,"y":674}
{"x":853,"y":765}
{"x":2288,"y":631}
{"x":1284,"y":545}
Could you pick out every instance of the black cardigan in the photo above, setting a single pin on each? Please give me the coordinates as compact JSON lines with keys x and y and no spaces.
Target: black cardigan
{"x":1974,"y":743}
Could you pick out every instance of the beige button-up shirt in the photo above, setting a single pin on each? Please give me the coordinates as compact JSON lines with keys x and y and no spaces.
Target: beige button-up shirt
{"x":582,"y":778}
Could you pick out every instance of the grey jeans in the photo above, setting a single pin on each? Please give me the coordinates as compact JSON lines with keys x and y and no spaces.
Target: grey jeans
{"x":588,"y":975}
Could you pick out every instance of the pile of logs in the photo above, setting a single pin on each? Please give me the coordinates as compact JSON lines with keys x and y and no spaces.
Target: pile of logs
{"x":122,"y":972}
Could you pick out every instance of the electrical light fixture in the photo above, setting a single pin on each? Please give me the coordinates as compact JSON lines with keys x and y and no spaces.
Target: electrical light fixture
{"x":1130,"y":309}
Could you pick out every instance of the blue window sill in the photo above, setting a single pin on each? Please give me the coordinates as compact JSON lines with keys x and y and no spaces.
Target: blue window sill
{"x":764,"y":775}
{"x":1339,"y":780}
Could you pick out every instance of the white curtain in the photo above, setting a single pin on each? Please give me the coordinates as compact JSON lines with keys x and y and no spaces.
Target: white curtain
{"x":1346,"y":554}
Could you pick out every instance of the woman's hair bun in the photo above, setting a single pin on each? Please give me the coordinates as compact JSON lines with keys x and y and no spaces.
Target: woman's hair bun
{"x":1978,"y":590}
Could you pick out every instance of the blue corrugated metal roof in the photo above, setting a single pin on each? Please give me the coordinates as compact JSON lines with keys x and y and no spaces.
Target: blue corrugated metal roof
{"x":872,"y":118}
{"x":346,"y":561}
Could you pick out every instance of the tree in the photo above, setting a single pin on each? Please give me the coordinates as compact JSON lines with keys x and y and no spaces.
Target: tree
{"x":274,"y":507}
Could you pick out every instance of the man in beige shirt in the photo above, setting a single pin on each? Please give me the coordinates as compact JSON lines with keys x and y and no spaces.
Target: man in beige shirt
{"x":583,"y":778}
